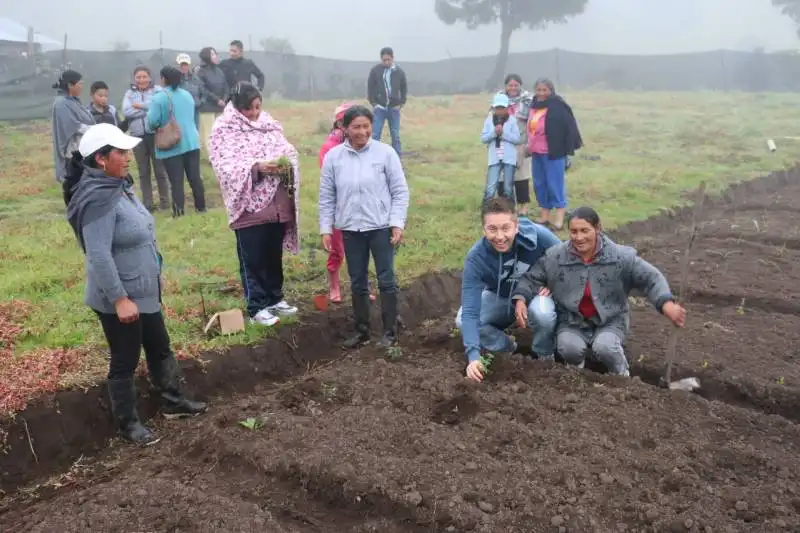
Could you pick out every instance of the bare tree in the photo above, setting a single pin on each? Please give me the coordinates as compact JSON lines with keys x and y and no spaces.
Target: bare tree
{"x":790,"y":8}
{"x":512,"y":15}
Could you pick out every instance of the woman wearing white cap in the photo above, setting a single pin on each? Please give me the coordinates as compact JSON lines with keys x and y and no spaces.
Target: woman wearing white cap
{"x":123,"y":276}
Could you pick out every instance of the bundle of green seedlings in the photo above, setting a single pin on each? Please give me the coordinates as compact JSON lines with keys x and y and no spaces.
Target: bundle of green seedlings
{"x":286,"y":173}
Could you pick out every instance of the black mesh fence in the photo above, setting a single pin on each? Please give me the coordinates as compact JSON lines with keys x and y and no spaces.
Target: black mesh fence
{"x":26,"y":93}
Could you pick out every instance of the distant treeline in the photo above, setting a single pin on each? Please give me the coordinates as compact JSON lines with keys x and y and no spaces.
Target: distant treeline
{"x":25,"y":87}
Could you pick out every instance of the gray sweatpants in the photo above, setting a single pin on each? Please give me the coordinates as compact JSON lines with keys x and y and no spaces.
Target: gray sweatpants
{"x":145,"y":155}
{"x":602,"y":344}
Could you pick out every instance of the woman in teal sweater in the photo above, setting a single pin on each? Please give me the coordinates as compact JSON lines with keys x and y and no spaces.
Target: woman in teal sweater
{"x":184,"y":157}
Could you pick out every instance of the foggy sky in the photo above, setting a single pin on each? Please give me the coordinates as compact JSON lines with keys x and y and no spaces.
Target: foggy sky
{"x":357,"y":29}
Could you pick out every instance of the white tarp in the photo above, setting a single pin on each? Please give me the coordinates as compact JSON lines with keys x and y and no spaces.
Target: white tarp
{"x":16,"y":32}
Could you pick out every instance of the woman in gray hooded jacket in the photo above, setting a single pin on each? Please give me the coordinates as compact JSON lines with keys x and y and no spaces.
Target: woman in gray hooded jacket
{"x":71,"y":119}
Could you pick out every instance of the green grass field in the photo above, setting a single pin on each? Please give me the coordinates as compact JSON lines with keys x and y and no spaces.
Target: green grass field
{"x":652,"y":146}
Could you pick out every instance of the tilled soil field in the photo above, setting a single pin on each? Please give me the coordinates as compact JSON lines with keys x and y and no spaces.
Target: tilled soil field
{"x":399,"y":442}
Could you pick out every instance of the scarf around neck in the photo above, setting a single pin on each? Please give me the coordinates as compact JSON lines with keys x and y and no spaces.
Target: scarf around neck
{"x":93,"y":197}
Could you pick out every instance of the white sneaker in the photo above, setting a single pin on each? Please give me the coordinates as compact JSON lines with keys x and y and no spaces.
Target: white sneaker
{"x":265,"y":318}
{"x":282,"y":308}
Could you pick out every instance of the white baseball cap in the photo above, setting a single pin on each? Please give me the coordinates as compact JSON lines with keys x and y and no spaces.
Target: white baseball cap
{"x":102,"y":135}
{"x":184,"y":58}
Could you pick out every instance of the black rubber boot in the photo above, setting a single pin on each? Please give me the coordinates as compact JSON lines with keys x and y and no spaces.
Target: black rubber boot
{"x":389,"y":316}
{"x":361,"y":315}
{"x":165,"y":377}
{"x":122,"y":393}
{"x":177,"y":211}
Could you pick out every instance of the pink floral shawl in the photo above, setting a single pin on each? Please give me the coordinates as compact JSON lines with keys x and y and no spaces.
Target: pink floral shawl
{"x":236,"y":145}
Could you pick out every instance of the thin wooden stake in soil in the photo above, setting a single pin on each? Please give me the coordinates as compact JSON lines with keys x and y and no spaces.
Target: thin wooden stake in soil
{"x":672,"y":343}
{"x":30,"y":441}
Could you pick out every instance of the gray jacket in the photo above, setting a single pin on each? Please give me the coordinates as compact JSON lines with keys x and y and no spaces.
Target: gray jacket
{"x":70,"y":121}
{"x":137,"y":118}
{"x":614,"y":272}
{"x":362,"y":190}
{"x":122,"y":258}
{"x":194,"y":86}
{"x":214,"y":88}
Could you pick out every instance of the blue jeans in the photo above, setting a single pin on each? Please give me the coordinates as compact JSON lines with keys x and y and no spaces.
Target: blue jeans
{"x":493,"y":177}
{"x":381,"y":115}
{"x":497,"y":314}
{"x":549,"y":181}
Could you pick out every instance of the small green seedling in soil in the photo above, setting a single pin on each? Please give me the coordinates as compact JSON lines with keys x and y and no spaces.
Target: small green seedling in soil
{"x":705,"y":364}
{"x":394,"y":353}
{"x":250,"y":423}
{"x":740,"y":309}
{"x":329,"y":390}
{"x":486,"y":361}
{"x":455,"y":332}
{"x":780,"y":381}
{"x":642,"y":358}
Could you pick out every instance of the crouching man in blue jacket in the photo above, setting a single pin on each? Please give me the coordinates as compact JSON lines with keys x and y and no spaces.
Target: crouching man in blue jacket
{"x":509,"y":248}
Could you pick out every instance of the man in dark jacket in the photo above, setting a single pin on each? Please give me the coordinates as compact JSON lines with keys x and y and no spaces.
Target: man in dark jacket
{"x":240,"y":69}
{"x":387,"y":90}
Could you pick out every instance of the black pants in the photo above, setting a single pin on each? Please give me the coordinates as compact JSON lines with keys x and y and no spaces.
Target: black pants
{"x":188,"y":163}
{"x":260,"y":251}
{"x":357,"y":248}
{"x":126,"y":341}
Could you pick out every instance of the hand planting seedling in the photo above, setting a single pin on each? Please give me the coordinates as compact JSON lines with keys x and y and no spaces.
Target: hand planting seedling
{"x":486,"y":362}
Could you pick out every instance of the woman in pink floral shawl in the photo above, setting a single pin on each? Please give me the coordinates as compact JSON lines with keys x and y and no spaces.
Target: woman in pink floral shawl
{"x":262,"y":203}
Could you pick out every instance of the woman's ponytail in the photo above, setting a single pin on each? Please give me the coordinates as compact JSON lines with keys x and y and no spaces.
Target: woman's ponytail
{"x":74,"y":175}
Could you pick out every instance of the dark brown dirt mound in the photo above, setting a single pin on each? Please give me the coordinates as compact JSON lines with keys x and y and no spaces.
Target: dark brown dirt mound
{"x":537,"y":448}
{"x":69,"y":424}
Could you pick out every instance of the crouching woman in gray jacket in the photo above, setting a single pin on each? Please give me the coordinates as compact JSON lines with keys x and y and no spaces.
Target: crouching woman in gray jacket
{"x":123,"y":269}
{"x":363,"y":192}
{"x":590,"y":277}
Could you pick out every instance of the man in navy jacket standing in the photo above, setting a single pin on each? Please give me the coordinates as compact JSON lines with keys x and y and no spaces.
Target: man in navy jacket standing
{"x":387,"y":91}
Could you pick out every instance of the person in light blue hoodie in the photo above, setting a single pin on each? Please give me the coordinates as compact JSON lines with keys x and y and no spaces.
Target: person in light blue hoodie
{"x":509,"y":248}
{"x":501,"y":134}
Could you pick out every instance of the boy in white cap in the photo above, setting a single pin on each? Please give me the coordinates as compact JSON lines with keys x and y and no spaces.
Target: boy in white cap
{"x":502,"y":137}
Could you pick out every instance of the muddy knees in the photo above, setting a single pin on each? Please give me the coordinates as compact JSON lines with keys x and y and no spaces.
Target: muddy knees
{"x":605,"y":346}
